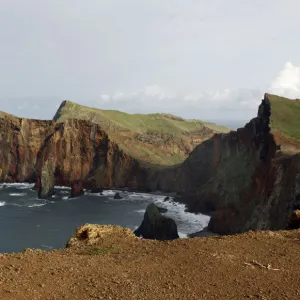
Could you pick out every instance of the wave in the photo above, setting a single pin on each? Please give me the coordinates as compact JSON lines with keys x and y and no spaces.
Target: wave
{"x":36,"y":205}
{"x":17,"y":194}
{"x":62,"y":188}
{"x":18,"y":185}
{"x":187,"y":222}
{"x":2,"y":203}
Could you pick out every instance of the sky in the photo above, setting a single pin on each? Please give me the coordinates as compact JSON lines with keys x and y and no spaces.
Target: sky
{"x":210,"y":60}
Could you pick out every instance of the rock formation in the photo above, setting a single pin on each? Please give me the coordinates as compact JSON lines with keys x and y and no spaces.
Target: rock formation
{"x":242,"y":178}
{"x":156,"y":226}
{"x":99,"y":235}
{"x":74,"y":153}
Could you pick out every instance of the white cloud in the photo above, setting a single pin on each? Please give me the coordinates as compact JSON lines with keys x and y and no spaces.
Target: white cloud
{"x":287,"y":83}
{"x":224,"y":104}
{"x":228,"y":103}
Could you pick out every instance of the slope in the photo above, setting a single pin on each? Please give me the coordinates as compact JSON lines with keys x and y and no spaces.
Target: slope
{"x":285,"y":122}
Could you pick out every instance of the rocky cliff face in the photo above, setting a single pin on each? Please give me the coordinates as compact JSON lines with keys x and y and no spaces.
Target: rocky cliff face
{"x":242,"y":178}
{"x":72,"y":153}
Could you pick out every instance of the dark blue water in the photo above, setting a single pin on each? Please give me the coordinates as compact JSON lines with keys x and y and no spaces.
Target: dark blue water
{"x":29,"y":222}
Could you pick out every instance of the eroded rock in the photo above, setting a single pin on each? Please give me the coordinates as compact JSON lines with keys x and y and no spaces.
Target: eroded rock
{"x":47,"y":181}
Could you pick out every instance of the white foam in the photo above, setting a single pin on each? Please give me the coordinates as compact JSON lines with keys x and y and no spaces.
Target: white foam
{"x":109,"y":193}
{"x":24,"y":185}
{"x":36,"y":205}
{"x":94,"y":194}
{"x":2,"y":203}
{"x":182,"y":235}
{"x":62,"y":187}
{"x":187,"y":222}
{"x":17,"y":194}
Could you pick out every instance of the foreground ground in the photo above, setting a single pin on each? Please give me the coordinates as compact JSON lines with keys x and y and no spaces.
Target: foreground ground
{"x":262,"y":265}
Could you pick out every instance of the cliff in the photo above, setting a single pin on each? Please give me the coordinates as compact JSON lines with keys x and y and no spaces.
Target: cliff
{"x":73,"y":153}
{"x":161,"y":139}
{"x":247,"y":179}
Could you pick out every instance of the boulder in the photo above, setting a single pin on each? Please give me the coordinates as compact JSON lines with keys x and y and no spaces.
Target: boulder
{"x":117,"y":196}
{"x":294,"y":220}
{"x":77,"y":189}
{"x":167,"y":199}
{"x":156,"y":226}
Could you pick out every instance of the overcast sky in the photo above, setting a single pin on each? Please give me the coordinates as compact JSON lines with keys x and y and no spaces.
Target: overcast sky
{"x":195,"y":58}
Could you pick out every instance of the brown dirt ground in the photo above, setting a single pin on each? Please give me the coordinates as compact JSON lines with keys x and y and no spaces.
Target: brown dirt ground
{"x":233,"y":267}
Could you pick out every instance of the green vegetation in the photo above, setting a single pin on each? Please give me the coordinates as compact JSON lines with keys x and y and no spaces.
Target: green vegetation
{"x":140,"y":123}
{"x":161,"y":139}
{"x":285,"y":116}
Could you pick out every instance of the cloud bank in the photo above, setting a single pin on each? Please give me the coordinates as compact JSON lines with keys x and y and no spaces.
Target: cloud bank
{"x":287,"y":82}
{"x":234,"y":105}
{"x":238,"y":104}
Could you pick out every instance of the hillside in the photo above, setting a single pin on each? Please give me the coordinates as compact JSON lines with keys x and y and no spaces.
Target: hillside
{"x":285,"y":122}
{"x":161,"y":139}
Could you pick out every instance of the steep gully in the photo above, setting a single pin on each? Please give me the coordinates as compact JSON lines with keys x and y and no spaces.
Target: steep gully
{"x":240,"y":178}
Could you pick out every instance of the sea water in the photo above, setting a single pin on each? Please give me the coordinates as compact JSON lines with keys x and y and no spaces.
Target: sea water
{"x":29,"y":222}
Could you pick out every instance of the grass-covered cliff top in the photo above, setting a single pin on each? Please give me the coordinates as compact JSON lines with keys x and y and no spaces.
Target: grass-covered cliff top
{"x":285,"y":119}
{"x":162,"y":139}
{"x":140,"y":123}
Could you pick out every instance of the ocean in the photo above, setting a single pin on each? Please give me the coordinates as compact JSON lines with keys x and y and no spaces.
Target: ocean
{"x":29,"y":222}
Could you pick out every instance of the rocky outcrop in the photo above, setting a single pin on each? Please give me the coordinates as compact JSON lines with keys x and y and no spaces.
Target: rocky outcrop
{"x":242,"y":179}
{"x":155,"y":226}
{"x":99,"y":235}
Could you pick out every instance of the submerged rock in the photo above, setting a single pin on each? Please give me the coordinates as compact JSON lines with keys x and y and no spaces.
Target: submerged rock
{"x":117,"y":196}
{"x":156,"y":226}
{"x":166,"y":199}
